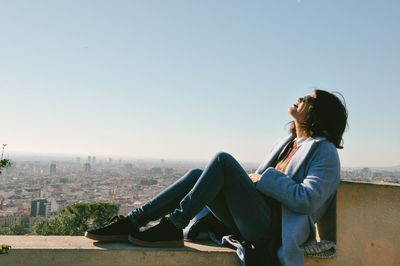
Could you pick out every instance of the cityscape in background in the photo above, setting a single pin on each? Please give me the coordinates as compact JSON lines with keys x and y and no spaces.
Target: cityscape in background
{"x":41,"y":188}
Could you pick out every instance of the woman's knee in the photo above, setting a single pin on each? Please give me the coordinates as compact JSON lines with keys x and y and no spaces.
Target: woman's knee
{"x":195,"y":172}
{"x":223,"y":156}
{"x":191,"y":176}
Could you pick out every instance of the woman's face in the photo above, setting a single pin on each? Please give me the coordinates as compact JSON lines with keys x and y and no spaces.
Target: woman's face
{"x":299,"y":109}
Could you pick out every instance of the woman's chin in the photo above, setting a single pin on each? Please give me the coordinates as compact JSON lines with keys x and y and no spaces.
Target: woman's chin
{"x":292,"y":112}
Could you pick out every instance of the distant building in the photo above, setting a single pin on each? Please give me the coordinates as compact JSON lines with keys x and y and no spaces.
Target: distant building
{"x":86,"y":167}
{"x":148,"y":181}
{"x":365,"y":172}
{"x":128,"y":166}
{"x":78,"y":159}
{"x":53,"y":169}
{"x":110,"y":160}
{"x":40,"y":207}
{"x":167,"y":171}
{"x":156,"y":171}
{"x":8,"y":219}
{"x":34,"y":192}
{"x":94,"y":160}
{"x":58,"y":205}
{"x":89,"y":159}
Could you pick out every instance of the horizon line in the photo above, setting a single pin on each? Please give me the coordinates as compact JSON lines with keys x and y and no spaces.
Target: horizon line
{"x":74,"y":155}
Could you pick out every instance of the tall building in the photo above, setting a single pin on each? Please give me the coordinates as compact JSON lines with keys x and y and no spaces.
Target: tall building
{"x":86,"y":167}
{"x":94,"y":160}
{"x":89,"y":159}
{"x":40,"y":207}
{"x":52,"y":169}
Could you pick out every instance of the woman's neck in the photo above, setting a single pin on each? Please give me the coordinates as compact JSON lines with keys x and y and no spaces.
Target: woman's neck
{"x":300,"y":131}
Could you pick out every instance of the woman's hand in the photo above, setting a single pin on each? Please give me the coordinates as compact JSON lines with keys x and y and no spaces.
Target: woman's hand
{"x":254,"y":177}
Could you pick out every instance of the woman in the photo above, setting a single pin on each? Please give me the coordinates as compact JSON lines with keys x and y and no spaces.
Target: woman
{"x":274,"y":208}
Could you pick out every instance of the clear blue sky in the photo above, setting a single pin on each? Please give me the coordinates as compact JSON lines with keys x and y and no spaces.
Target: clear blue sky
{"x":185,"y":79}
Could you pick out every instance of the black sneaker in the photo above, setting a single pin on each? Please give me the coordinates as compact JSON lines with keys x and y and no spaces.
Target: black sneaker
{"x":164,"y":234}
{"x":117,"y":230}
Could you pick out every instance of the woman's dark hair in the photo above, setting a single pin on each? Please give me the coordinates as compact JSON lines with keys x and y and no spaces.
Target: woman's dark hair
{"x":326,"y":117}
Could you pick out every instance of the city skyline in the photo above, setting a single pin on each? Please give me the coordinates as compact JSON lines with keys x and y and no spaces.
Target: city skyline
{"x":35,"y":190}
{"x":49,"y":158}
{"x":185,"y":80}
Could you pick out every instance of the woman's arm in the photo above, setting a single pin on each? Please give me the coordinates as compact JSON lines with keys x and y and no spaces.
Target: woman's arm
{"x":321,"y":181}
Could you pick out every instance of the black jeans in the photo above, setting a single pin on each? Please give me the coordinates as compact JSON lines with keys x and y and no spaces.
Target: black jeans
{"x":225,"y":187}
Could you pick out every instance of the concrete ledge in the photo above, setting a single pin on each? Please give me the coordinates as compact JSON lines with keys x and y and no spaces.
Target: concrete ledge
{"x":77,"y":250}
{"x":365,"y":224}
{"x":368,"y":224}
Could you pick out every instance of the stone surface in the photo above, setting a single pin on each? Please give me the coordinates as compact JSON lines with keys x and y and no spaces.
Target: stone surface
{"x":368,"y":233}
{"x":367,"y":220}
{"x":77,"y":250}
{"x":80,"y":242}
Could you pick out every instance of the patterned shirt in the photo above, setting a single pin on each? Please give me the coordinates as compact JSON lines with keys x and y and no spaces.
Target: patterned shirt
{"x":288,"y":155}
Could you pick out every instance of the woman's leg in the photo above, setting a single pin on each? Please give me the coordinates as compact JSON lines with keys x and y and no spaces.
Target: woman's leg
{"x":119,"y":228}
{"x":225,"y":187}
{"x":223,"y":179}
{"x":166,"y":201}
{"x":266,"y":239}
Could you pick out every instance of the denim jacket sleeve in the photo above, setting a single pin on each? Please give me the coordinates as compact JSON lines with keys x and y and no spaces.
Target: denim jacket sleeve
{"x":320,"y":181}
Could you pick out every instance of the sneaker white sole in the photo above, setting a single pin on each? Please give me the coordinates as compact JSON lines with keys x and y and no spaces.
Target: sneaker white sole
{"x":107,"y":238}
{"x":158,"y":244}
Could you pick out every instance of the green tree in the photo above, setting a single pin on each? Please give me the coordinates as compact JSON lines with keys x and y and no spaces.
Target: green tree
{"x":2,"y":231}
{"x":4,"y":163}
{"x":102,"y":213}
{"x":73,"y":220}
{"x":42,"y":227}
{"x":16,"y":229}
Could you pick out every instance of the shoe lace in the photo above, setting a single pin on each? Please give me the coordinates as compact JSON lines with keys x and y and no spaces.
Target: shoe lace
{"x":115,"y":219}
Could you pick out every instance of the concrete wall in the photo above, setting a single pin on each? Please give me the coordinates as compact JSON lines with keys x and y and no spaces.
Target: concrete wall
{"x":365,"y":223}
{"x":80,"y":251}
